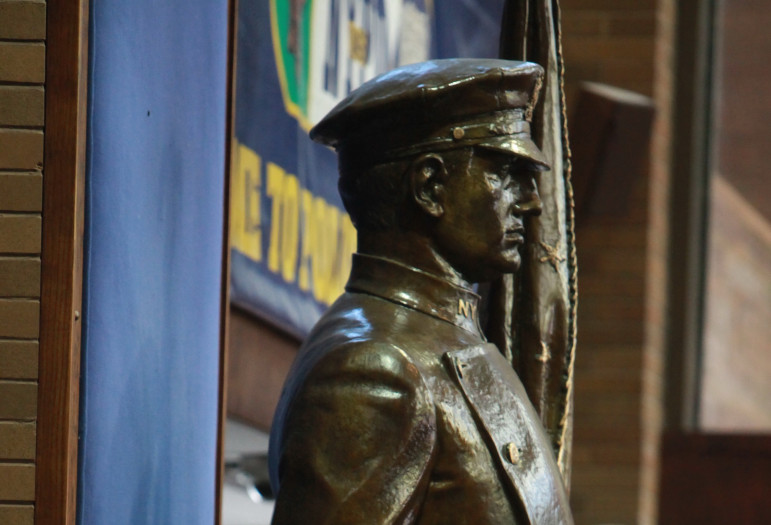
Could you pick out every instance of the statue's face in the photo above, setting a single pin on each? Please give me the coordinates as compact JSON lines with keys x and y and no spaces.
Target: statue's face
{"x":485,"y":201}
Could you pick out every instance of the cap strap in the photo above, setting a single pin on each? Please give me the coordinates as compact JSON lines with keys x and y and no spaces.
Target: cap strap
{"x":468,"y":133}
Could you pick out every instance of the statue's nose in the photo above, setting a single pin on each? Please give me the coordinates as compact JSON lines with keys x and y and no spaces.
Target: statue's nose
{"x":530,"y":202}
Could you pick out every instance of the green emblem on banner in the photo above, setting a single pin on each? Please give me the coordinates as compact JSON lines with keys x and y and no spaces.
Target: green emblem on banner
{"x":290,"y":23}
{"x":326,"y":49}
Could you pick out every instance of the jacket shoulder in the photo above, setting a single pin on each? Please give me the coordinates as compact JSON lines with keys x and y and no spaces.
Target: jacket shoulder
{"x":361,"y":425}
{"x":381,"y":359}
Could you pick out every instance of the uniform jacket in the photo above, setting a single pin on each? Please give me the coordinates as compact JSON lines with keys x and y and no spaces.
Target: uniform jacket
{"x":397,"y":411}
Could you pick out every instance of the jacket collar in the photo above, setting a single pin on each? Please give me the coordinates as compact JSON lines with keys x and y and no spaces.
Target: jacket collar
{"x":415,"y":289}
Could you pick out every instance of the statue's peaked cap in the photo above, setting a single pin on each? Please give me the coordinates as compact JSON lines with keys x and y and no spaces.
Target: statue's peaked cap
{"x":438,"y":104}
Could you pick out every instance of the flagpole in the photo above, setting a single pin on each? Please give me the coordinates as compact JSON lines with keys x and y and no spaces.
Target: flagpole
{"x":533,"y":317}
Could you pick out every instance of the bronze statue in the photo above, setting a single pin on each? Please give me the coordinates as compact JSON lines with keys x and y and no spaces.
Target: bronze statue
{"x":397,"y":409}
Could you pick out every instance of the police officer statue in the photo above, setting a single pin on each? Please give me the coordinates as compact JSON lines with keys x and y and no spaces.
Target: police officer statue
{"x":397,"y":410}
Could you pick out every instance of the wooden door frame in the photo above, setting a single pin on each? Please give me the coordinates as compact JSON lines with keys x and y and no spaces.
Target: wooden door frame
{"x":225,"y":283}
{"x":66,"y":91}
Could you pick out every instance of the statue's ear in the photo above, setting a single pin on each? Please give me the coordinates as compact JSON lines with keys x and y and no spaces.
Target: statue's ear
{"x":427,"y":176}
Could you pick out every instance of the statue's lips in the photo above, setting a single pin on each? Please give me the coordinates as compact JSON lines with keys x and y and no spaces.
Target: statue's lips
{"x":515,"y":236}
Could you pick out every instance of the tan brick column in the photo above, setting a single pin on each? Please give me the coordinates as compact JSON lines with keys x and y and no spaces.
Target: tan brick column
{"x":22,"y":77}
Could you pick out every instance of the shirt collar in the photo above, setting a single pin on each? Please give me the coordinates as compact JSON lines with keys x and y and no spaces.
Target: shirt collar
{"x":415,"y":289}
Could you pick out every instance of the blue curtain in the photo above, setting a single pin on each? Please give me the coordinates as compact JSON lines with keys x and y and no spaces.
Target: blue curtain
{"x":154,"y":221}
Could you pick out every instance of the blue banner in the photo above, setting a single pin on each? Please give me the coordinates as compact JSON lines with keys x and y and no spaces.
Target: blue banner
{"x":296,"y":59}
{"x":153,"y":262}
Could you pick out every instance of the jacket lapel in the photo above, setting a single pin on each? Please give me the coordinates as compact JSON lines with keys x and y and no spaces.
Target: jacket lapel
{"x":515,"y":436}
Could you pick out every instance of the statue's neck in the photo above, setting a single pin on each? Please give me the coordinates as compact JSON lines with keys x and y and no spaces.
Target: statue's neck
{"x":410,"y":249}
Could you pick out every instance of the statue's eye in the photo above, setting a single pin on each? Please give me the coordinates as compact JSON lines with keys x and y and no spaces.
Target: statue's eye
{"x":494,"y":180}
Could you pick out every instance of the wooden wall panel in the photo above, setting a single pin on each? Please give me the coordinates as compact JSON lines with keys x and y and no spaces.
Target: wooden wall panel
{"x":258,"y":362}
{"x":715,"y":479}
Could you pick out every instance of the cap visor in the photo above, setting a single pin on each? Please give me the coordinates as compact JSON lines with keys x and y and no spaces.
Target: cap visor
{"x":521,"y":146}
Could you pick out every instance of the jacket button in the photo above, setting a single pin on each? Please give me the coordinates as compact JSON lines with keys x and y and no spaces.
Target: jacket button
{"x":511,"y":453}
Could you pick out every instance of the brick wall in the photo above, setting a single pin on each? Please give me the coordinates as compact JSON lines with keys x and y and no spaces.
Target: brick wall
{"x":612,"y":42}
{"x":608,"y":421}
{"x":22,"y":75}
{"x":609,"y":41}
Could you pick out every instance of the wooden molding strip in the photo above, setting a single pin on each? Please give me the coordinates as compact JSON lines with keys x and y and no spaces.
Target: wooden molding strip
{"x":225,"y":283}
{"x":62,"y":262}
